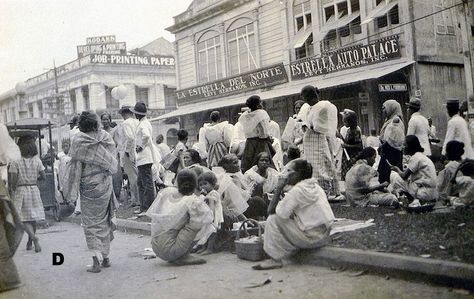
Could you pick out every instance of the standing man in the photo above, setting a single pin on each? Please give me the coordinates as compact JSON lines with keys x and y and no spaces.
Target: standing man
{"x":457,"y":129}
{"x":127,"y":151}
{"x":418,"y":125}
{"x":144,"y":162}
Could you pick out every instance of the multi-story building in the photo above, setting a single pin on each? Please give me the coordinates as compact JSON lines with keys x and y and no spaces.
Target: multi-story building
{"x":359,"y":53}
{"x":146,"y":74}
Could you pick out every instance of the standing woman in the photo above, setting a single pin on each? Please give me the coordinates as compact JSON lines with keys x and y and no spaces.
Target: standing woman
{"x":255,"y":125}
{"x":117,"y":177}
{"x":352,"y":142}
{"x":92,"y":164}
{"x":392,"y":136}
{"x":24,"y":174}
{"x":217,"y":138}
{"x":322,"y":125}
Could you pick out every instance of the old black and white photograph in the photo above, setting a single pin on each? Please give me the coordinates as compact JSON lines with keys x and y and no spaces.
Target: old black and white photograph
{"x":236,"y":149}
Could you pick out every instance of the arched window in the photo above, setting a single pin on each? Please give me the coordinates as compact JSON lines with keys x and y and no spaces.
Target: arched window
{"x":242,"y":46}
{"x":209,"y":57}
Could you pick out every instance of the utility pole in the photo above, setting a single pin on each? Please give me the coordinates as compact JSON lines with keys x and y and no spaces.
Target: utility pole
{"x":466,"y":22}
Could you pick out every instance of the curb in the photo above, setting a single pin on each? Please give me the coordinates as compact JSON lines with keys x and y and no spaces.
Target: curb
{"x":446,"y":273}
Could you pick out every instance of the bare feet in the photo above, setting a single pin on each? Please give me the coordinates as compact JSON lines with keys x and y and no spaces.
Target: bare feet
{"x":95,"y":266}
{"x":106,"y":262}
{"x":188,"y":260}
{"x":37,"y":245}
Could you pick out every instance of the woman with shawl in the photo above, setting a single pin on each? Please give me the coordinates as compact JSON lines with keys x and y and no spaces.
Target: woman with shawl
{"x":352,"y":139}
{"x":301,"y":219}
{"x":255,"y":125}
{"x":322,"y":126}
{"x":392,"y":136}
{"x":11,"y":230}
{"x":90,"y":173}
{"x":217,"y":137}
{"x":293,"y":132}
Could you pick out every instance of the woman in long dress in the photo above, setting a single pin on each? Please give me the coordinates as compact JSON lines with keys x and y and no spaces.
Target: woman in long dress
{"x":322,"y":125}
{"x":11,"y":230}
{"x":217,"y":137}
{"x":255,"y":124}
{"x":392,"y":136}
{"x":352,"y":145}
{"x":90,"y":173}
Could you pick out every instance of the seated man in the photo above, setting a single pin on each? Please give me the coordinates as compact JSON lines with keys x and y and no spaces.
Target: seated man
{"x":358,"y":190}
{"x":419,"y":180}
{"x":464,"y":180}
{"x":301,"y":219}
{"x":177,"y":216}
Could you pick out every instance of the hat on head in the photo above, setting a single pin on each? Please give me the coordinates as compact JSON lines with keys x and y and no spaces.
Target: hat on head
{"x":452,"y":102}
{"x":414,"y":103}
{"x":346,"y":111}
{"x":125,"y":108}
{"x":140,"y":108}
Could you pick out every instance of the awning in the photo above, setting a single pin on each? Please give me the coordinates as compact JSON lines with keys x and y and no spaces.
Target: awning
{"x":379,"y":11}
{"x":325,"y":81}
{"x":344,"y":21}
{"x":301,"y":36}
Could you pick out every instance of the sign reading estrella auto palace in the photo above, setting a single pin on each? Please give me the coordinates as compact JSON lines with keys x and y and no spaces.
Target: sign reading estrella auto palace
{"x":260,"y":78}
{"x":101,"y":45}
{"x":379,"y":51}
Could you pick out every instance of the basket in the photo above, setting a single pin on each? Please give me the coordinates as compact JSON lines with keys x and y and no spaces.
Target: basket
{"x":247,"y":248}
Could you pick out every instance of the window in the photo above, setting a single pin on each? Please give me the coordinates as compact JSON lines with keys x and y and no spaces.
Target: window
{"x":242,"y":47}
{"x":209,"y":57}
{"x":85,"y":96}
{"x":72,"y":96}
{"x":40,"y":109}
{"x":110,"y":102}
{"x":389,"y":18}
{"x":141,"y":94}
{"x":444,"y":20}
{"x":302,"y":17}
{"x":30,"y":110}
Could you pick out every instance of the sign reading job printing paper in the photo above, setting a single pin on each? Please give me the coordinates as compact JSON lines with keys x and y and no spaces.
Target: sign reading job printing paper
{"x":260,"y":78}
{"x":167,"y":61}
{"x":379,"y":51}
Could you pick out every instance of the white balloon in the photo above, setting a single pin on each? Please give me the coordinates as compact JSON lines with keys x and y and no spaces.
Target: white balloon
{"x":122,"y":92}
{"x":114,"y":93}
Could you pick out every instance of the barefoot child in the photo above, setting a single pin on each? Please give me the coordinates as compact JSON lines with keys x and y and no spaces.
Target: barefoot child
{"x":207,"y":186}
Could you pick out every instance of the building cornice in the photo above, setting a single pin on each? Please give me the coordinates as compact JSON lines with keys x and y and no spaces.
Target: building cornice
{"x":187,"y":19}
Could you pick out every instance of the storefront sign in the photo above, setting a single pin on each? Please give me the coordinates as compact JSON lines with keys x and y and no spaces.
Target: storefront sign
{"x":110,"y":48}
{"x":376,"y":52}
{"x":95,"y":40}
{"x":392,"y":87}
{"x":133,"y":60}
{"x":264,"y":77}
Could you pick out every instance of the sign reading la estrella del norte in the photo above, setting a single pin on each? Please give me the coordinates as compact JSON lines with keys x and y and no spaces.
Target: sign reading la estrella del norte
{"x":379,"y":51}
{"x":260,"y":78}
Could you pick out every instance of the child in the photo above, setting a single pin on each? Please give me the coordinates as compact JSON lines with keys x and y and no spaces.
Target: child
{"x":208,"y":187}
{"x":24,"y":174}
{"x":465,"y":184}
{"x":454,"y":152}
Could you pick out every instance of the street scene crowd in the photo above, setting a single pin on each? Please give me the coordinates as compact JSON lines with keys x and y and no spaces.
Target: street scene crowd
{"x":194,"y":193}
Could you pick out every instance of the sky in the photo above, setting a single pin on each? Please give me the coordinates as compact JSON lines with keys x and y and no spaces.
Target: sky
{"x":34,"y":33}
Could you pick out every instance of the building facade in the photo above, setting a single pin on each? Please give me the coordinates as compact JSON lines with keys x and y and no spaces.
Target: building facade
{"x":359,"y":53}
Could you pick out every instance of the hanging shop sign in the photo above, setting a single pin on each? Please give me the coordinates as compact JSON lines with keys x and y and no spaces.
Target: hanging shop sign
{"x":157,"y":60}
{"x":105,"y":39}
{"x":110,"y":48}
{"x":392,"y":87}
{"x":260,"y":78}
{"x":379,"y":51}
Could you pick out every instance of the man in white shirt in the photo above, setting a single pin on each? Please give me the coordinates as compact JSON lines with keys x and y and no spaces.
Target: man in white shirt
{"x":457,"y":129}
{"x":127,"y":151}
{"x":418,"y":125}
{"x":144,"y":157}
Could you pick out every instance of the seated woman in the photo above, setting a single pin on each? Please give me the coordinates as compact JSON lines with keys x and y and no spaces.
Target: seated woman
{"x":358,"y":190}
{"x":260,"y":180}
{"x":418,"y":181}
{"x":301,"y":219}
{"x":465,"y":184}
{"x":177,"y":217}
{"x":192,"y":161}
{"x":454,"y":152}
{"x":232,"y":189}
